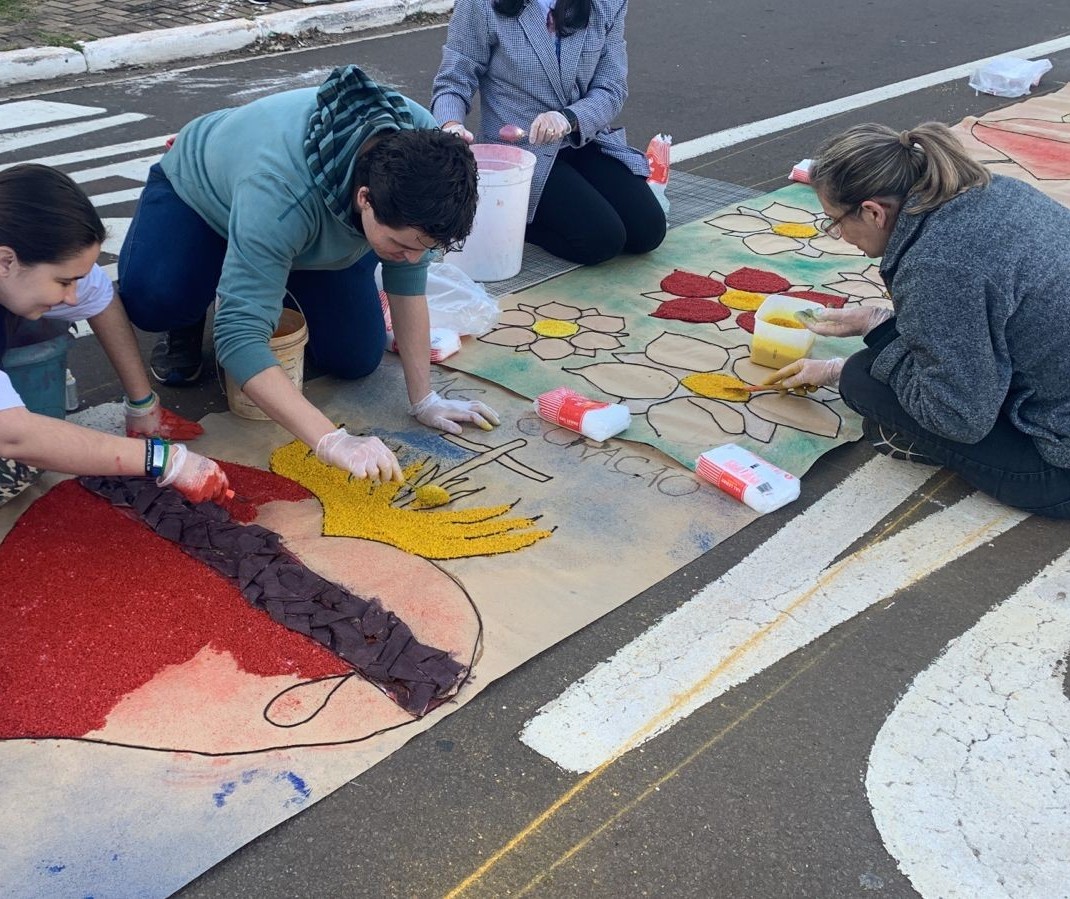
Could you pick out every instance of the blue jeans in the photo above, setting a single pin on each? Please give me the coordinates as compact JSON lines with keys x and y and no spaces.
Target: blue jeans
{"x":1004,"y":464}
{"x":169,"y":269}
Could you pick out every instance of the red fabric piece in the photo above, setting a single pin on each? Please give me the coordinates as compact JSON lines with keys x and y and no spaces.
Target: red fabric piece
{"x":692,"y":309}
{"x":746,"y":321}
{"x":688,"y":284}
{"x":90,"y":617}
{"x":831,"y":300}
{"x":756,"y":281}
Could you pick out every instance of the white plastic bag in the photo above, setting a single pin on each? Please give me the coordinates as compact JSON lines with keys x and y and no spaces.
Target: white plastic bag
{"x":454,"y":301}
{"x":1009,"y":76}
{"x":457,"y":302}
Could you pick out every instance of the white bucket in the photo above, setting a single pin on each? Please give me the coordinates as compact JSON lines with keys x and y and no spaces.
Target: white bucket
{"x":494,"y":250}
{"x":288,"y":345}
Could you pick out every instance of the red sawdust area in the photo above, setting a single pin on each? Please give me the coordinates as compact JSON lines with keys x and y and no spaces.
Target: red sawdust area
{"x":689,"y":284}
{"x":97,"y":605}
{"x":754,"y":280}
{"x":692,"y":309}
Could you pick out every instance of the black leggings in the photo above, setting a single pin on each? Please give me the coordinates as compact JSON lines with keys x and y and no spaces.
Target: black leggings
{"x":593,"y":209}
{"x":1004,"y":464}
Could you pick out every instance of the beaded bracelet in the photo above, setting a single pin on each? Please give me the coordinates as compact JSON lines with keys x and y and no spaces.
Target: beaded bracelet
{"x":157,"y":452}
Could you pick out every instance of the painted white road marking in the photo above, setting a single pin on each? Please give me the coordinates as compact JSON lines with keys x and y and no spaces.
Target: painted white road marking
{"x":699,"y":146}
{"x":781,"y":597}
{"x":27,"y":113}
{"x":969,"y":777}
{"x":135,"y":169}
{"x":79,"y":156}
{"x":19,"y":140}
{"x":115,"y":197}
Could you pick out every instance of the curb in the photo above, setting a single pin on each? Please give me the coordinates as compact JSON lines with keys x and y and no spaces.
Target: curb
{"x":209,"y":39}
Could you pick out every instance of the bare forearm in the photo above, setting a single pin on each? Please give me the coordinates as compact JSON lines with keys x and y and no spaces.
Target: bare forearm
{"x":412,"y":330}
{"x":277,"y":396}
{"x":116,"y":336}
{"x":61,"y":446}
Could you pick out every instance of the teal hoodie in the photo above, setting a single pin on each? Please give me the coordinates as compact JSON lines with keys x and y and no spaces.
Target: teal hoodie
{"x":246,"y":171}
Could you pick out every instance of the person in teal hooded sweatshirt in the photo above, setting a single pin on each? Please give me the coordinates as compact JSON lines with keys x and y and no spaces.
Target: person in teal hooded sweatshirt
{"x":292,"y":200}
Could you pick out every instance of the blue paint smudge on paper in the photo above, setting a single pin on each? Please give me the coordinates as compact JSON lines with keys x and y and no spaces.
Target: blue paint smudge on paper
{"x":300,"y":787}
{"x":53,"y":869}
{"x":226,"y":789}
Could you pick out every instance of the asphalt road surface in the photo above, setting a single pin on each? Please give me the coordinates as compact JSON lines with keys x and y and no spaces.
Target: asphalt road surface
{"x":762,"y":792}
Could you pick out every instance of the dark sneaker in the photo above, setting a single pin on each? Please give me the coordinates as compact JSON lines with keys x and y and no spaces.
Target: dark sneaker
{"x":891,"y":443}
{"x":177,"y":360}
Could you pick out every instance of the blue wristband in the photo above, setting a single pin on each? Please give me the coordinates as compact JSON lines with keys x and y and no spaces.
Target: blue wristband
{"x":157,"y":452}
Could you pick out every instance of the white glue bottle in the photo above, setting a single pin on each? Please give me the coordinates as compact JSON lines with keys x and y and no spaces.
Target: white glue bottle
{"x":591,"y":418}
{"x":747,"y":477}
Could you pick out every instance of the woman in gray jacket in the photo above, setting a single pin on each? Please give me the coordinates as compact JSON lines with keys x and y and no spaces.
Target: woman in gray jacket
{"x":560,"y":72}
{"x":971,"y":370}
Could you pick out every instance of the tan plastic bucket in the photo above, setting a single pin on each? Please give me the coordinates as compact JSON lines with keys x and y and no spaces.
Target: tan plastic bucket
{"x":288,"y":345}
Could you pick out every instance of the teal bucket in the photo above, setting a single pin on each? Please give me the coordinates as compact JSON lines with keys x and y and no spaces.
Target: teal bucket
{"x":39,"y":373}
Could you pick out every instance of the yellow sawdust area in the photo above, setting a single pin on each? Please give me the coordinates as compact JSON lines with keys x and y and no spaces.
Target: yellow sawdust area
{"x":795,"y":229}
{"x":553,"y":327}
{"x":717,"y":386}
{"x":784,"y":321}
{"x":429,"y":496}
{"x":742,"y":299}
{"x":361,"y":508}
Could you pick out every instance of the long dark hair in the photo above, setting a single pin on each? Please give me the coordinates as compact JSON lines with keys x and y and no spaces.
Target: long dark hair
{"x":44,"y":216}
{"x":569,"y":15}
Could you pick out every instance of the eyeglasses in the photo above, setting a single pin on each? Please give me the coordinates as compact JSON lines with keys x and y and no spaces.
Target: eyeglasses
{"x":833,"y":227}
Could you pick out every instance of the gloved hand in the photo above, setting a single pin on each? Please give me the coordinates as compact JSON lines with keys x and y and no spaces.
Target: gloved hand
{"x":807,"y":373}
{"x":435,"y":412}
{"x":850,"y":321}
{"x":364,"y":457}
{"x":459,"y":129}
{"x":197,"y":477}
{"x":548,"y":127}
{"x":153,"y":420}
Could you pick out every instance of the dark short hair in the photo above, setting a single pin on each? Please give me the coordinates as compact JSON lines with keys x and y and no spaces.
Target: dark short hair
{"x":424,"y":179}
{"x":44,"y":216}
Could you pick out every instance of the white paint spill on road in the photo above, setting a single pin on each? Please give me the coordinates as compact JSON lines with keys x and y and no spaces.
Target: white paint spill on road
{"x":969,"y":777}
{"x":20,"y":140}
{"x":699,"y":146}
{"x":28,"y":113}
{"x":781,"y":597}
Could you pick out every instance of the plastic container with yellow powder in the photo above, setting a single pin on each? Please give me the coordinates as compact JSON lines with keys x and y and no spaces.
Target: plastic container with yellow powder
{"x":779,"y":338}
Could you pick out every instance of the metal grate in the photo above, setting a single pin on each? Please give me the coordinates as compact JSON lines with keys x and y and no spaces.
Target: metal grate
{"x":691,"y":197}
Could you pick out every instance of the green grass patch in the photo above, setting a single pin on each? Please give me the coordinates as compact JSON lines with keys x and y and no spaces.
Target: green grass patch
{"x":57,"y":39}
{"x":13,"y":10}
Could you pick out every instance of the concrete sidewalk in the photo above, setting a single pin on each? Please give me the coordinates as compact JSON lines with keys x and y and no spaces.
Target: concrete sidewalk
{"x":56,"y":38}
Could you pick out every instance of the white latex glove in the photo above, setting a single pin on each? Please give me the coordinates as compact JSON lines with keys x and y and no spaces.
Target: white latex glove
{"x":435,"y":412}
{"x":153,"y":420}
{"x":459,"y":129}
{"x":363,"y":457}
{"x":851,"y":321}
{"x":807,"y":373}
{"x":196,"y":477}
{"x":548,"y":127}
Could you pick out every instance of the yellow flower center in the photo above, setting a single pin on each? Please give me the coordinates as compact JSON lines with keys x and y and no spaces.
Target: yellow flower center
{"x":795,"y":229}
{"x":554,"y":327}
{"x":430,"y":495}
{"x":717,"y":386}
{"x":743,"y":299}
